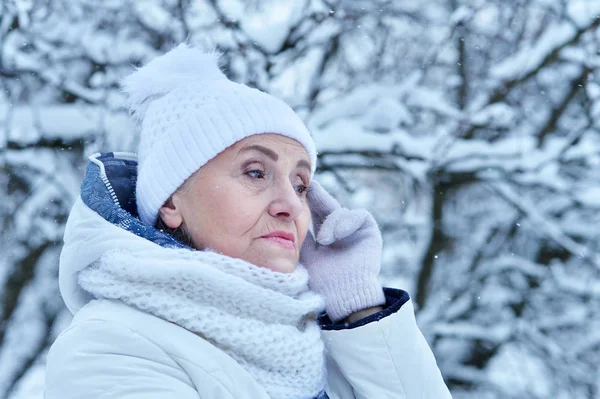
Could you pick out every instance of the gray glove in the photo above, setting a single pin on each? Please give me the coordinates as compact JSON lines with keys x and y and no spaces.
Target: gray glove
{"x":344,"y":261}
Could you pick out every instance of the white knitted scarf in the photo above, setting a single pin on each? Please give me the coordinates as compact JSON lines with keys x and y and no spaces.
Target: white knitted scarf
{"x":265,"y":320}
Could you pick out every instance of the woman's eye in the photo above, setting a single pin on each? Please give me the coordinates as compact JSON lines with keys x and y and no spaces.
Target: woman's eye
{"x":302,"y":189}
{"x":256,"y":174}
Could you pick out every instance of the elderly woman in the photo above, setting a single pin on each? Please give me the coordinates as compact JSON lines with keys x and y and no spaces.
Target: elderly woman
{"x":193,"y":274}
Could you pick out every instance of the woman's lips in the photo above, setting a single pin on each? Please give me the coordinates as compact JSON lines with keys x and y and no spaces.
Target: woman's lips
{"x":283,"y":242}
{"x":281,"y":238}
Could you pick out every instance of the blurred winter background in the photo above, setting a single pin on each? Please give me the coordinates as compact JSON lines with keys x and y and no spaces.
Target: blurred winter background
{"x":470,"y":128}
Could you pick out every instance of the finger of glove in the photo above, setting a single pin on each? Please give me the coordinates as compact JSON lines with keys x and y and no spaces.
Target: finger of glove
{"x":321,"y":204}
{"x":342,"y":224}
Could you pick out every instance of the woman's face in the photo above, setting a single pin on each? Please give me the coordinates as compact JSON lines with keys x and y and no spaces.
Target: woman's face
{"x":249,"y":202}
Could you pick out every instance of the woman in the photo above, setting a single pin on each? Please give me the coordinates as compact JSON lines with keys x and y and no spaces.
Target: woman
{"x":193,"y":274}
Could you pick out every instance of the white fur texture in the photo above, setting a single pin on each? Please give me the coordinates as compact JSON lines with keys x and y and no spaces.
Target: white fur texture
{"x":163,"y":74}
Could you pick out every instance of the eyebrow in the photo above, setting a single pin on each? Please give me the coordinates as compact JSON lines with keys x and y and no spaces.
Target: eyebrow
{"x":271,"y":154}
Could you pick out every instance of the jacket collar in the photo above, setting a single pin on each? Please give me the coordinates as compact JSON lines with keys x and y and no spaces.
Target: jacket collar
{"x":104,"y":216}
{"x":108,"y":189}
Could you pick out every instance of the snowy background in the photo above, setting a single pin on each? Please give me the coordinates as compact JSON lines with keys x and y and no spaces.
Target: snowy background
{"x":470,"y":128}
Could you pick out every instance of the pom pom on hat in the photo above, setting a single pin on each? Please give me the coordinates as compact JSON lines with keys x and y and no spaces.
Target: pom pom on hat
{"x":162,"y":74}
{"x":188,"y":112}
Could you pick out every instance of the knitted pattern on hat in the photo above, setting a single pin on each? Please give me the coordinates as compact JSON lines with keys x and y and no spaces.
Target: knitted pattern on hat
{"x":187,"y":112}
{"x":265,"y":320}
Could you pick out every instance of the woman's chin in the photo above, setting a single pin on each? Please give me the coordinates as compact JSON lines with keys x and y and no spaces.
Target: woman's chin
{"x":273,"y":257}
{"x":283,"y":266}
{"x":276,"y":264}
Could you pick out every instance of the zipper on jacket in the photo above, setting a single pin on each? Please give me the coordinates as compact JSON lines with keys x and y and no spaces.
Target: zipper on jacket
{"x":94,"y":158}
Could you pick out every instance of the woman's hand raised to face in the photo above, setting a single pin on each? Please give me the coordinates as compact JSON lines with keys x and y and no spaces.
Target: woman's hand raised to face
{"x":345,"y":258}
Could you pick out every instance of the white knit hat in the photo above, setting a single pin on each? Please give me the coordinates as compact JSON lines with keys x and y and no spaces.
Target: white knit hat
{"x":188,"y":112}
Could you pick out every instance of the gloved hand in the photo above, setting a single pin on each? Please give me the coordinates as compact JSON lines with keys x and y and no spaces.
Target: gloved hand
{"x":344,"y":262}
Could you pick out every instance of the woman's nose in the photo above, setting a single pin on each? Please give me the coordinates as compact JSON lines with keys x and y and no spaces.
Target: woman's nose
{"x":286,"y":203}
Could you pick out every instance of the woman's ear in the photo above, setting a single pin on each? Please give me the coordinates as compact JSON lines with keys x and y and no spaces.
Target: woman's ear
{"x":170,"y":214}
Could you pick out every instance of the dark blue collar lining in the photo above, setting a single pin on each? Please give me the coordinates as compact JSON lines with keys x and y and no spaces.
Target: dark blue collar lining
{"x":122,"y":175}
{"x":394,"y":299}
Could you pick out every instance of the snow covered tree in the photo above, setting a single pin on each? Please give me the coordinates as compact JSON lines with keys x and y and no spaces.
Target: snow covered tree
{"x":469,"y":128}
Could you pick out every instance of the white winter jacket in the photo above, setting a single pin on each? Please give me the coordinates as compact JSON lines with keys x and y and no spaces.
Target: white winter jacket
{"x":113,"y":351}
